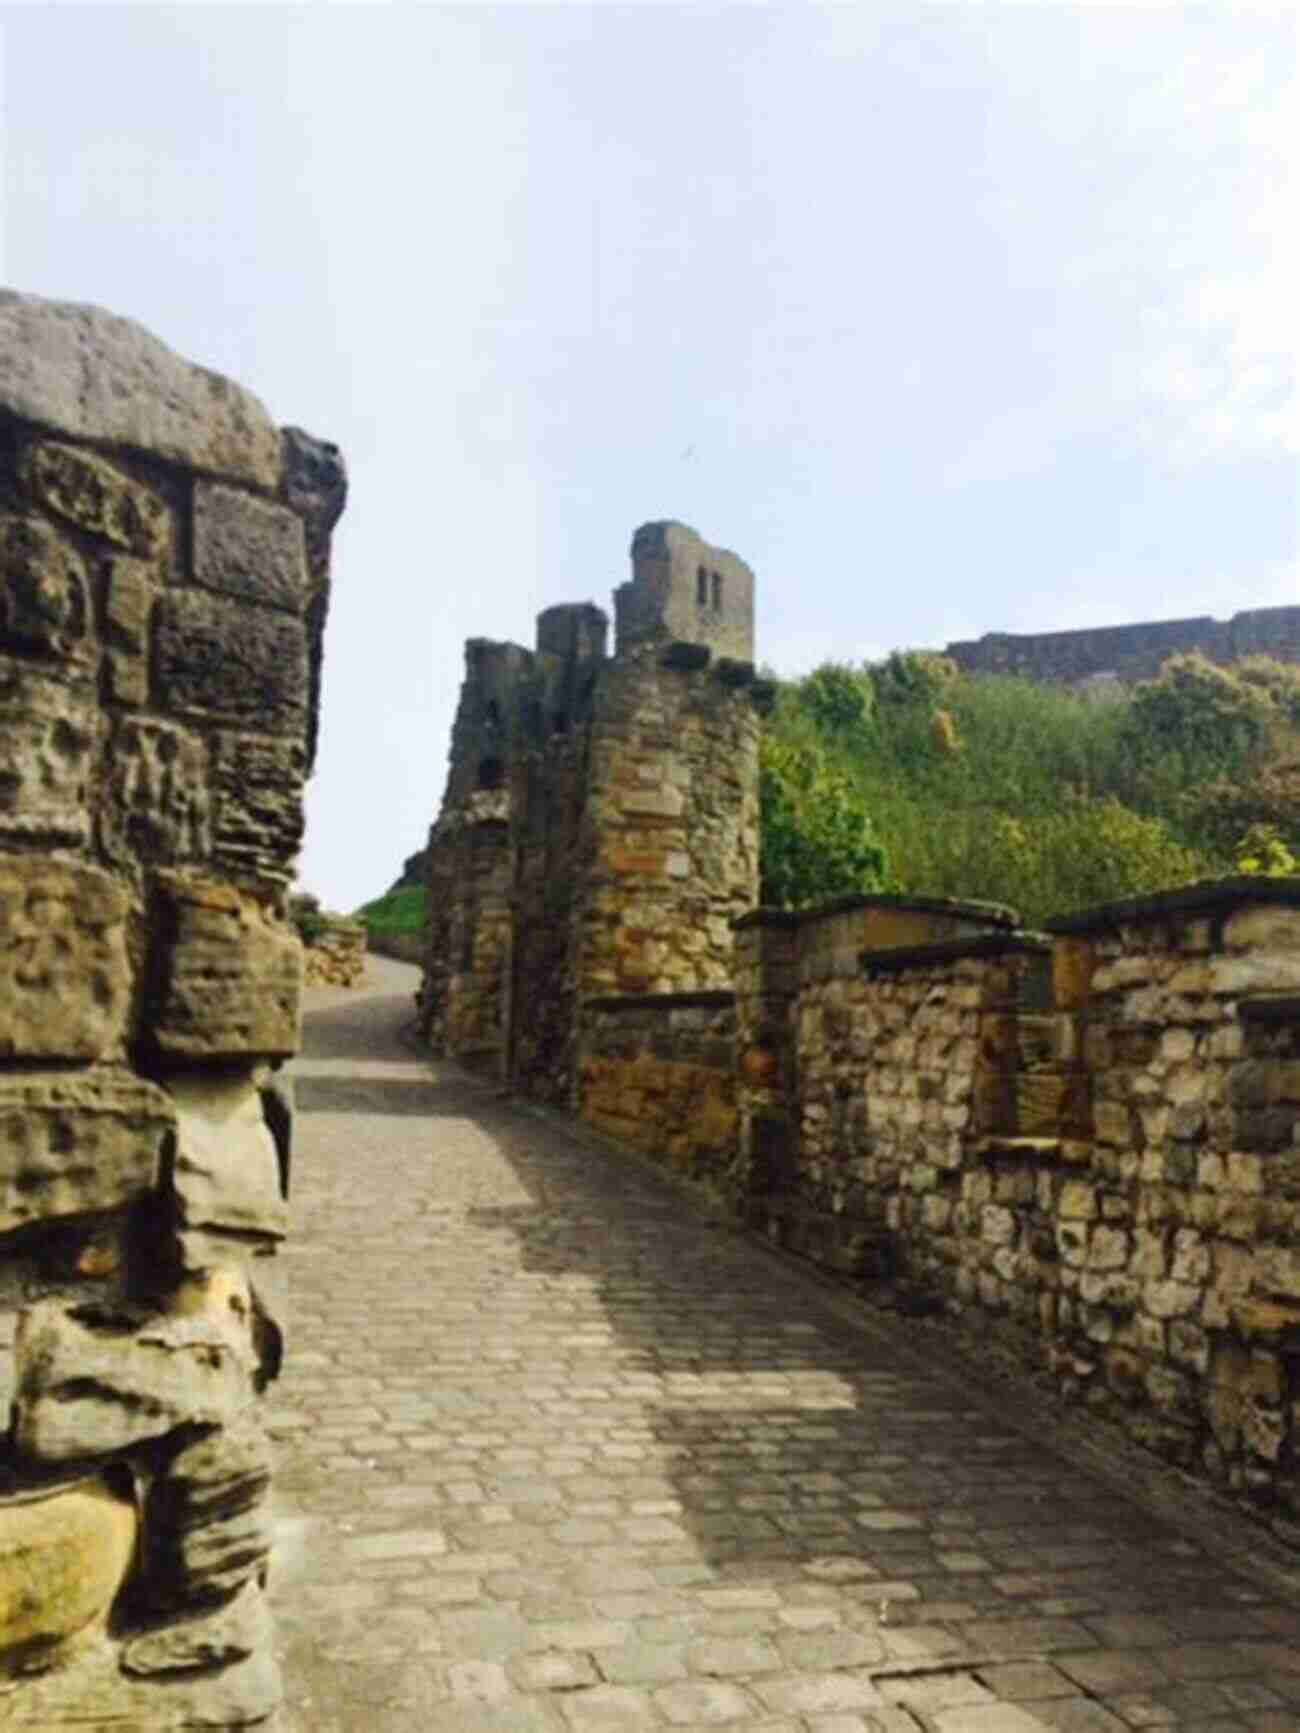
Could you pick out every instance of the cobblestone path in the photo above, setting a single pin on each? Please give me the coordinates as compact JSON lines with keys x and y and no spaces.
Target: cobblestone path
{"x":556,"y":1456}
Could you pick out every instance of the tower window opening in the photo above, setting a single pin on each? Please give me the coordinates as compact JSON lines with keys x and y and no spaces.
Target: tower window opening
{"x":701,"y":587}
{"x":717,"y":591}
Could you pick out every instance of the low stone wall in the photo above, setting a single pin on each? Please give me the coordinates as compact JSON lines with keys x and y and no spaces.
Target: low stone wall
{"x":1103,"y":1166}
{"x":1172,"y":1292}
{"x":833,"y":1102}
{"x":402,"y":947}
{"x":164,"y":569}
{"x":335,"y":956}
{"x":658,"y":1072}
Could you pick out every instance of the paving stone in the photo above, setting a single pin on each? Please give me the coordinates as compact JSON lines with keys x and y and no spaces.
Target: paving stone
{"x":1027,"y":1681}
{"x":609,"y":1709}
{"x":640,"y":1439}
{"x":641,"y":1663}
{"x":703,"y":1703}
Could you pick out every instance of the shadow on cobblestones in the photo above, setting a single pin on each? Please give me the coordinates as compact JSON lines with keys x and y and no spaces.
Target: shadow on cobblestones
{"x":366,"y":1095}
{"x":557,"y":1455}
{"x":330,"y":1031}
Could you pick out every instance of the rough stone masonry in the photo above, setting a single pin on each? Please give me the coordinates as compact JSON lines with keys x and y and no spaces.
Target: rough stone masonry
{"x":164,"y":577}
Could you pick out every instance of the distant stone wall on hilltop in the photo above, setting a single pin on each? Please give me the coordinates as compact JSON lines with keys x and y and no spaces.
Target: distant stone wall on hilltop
{"x":1131,"y":653}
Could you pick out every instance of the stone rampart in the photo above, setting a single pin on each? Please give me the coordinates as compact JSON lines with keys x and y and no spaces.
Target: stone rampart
{"x":598,"y":835}
{"x":164,"y":551}
{"x":1131,"y":653}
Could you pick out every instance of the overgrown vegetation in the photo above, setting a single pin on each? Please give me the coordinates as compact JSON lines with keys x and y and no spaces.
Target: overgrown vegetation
{"x":307,"y":916}
{"x":400,"y":910}
{"x":916,"y":778}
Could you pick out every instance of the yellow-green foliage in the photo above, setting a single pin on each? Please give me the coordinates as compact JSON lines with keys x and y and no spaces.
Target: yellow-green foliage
{"x":1048,"y":799}
{"x":401,"y":910}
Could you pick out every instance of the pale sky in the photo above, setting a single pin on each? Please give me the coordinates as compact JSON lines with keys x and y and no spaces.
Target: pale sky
{"x":948,"y":319}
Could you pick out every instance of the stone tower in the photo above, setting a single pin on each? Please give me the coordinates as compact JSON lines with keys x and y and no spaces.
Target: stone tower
{"x":683,"y":590}
{"x":599,"y":831}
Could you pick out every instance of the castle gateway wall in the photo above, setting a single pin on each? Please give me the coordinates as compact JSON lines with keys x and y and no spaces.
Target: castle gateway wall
{"x":164,"y":573}
{"x":599,"y":832}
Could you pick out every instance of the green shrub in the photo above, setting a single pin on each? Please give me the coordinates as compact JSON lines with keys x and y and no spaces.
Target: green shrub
{"x":1039,"y":796}
{"x":817,"y":840}
{"x":307,"y":916}
{"x":401,"y":910}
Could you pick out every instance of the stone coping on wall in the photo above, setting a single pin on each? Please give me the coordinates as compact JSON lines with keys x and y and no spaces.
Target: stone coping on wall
{"x":719,"y":999}
{"x":995,"y":914}
{"x":98,"y":377}
{"x":1206,"y":896}
{"x":900,"y":957}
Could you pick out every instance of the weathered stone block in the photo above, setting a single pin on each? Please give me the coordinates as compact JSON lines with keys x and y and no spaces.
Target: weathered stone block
{"x":64,"y":975}
{"x":207,"y":1522}
{"x":96,"y":376}
{"x":132,"y":588}
{"x":1112,"y":1123}
{"x":64,"y":1554}
{"x":95,"y":1382}
{"x":214,"y":1638}
{"x":74,"y":1143}
{"x":231,"y":975}
{"x":43,"y":600}
{"x":241,"y":664}
{"x":97,"y":496}
{"x":258,"y":782}
{"x":1073,"y":961}
{"x":1263,"y":929}
{"x":157,"y":807}
{"x":248,"y":547}
{"x":1078,"y":1201}
{"x":1256,"y":972}
{"x":1277,"y":1271}
{"x":49,"y":740}
{"x":227,"y":1173}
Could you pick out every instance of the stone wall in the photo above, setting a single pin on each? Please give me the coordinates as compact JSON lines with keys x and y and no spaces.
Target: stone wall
{"x":1131,"y":652}
{"x":335,"y":956}
{"x":165,"y":555}
{"x":1101,"y":1165}
{"x":598,"y":836}
{"x":854,"y":1088}
{"x":658,"y":1072}
{"x":672,"y":815}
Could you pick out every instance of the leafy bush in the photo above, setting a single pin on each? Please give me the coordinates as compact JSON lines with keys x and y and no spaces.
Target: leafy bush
{"x":1208,"y":715}
{"x":1039,"y":796}
{"x":817,"y":837}
{"x":912,"y":677}
{"x":1263,"y":851}
{"x":307,"y":916}
{"x":401,"y":910}
{"x":840,"y":702}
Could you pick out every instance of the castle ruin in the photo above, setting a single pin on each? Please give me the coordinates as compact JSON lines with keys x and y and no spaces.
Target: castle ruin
{"x":1085,"y":1143}
{"x":599,"y":832}
{"x":1131,"y":653}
